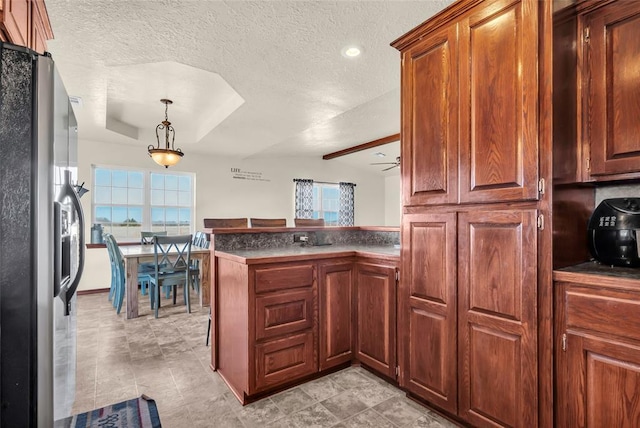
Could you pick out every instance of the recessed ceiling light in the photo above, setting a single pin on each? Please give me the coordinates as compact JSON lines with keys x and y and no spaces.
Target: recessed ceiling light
{"x":351,"y":51}
{"x":379,"y":154}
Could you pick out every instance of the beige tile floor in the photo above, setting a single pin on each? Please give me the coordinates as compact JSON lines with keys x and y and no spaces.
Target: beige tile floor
{"x":166,"y":359}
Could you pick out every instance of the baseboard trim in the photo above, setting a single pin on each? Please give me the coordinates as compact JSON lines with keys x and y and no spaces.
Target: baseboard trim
{"x":96,"y":291}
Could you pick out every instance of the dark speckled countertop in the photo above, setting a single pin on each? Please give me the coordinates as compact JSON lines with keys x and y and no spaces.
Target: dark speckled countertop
{"x":308,"y":252}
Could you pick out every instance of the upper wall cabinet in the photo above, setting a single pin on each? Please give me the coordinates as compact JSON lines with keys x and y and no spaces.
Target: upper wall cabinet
{"x":25,"y":23}
{"x":430,"y":120}
{"x":612,"y":75}
{"x":499,"y":102}
{"x":16,"y":19}
{"x":472,"y":86}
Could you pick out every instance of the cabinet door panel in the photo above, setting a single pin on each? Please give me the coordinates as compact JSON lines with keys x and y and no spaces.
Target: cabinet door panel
{"x":376,"y":313}
{"x":16,"y":18}
{"x":336,"y":313}
{"x":497,"y":328}
{"x":427,"y":320}
{"x":430,"y":127}
{"x":498,"y":102}
{"x":282,"y":313}
{"x":607,"y":374}
{"x":614,"y":91}
{"x":284,"y":360}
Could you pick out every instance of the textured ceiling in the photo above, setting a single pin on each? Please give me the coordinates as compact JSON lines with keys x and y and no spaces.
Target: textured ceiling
{"x":248,"y":78}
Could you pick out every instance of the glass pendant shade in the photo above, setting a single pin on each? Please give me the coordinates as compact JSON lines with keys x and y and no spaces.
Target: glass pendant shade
{"x":167,"y":156}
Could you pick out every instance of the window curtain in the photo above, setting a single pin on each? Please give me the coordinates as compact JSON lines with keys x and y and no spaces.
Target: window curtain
{"x":346,"y":213}
{"x":304,"y":198}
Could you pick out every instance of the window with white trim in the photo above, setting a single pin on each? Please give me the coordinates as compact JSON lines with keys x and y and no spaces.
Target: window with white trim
{"x":128,"y":201}
{"x":326,"y":202}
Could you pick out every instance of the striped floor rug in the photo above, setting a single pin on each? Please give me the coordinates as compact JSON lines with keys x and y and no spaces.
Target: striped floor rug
{"x":136,"y":413}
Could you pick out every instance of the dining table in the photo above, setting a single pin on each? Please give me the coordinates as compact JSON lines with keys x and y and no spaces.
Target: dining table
{"x":136,"y":254}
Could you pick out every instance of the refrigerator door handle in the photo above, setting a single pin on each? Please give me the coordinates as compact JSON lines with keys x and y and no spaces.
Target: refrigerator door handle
{"x":57,"y":248}
{"x":68,"y":191}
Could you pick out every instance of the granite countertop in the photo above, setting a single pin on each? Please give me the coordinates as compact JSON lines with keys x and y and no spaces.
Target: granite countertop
{"x":595,"y":268}
{"x":299,"y":252}
{"x":596,"y":274}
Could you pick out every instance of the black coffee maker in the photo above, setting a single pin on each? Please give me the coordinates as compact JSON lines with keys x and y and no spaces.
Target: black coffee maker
{"x":614,"y":229}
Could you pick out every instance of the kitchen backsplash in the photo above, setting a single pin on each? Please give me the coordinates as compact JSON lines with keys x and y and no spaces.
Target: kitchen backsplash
{"x":617,"y":191}
{"x":238,"y":241}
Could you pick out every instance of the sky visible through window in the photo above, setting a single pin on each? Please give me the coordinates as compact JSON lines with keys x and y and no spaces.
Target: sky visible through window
{"x":326,"y":202}
{"x":127,"y":202}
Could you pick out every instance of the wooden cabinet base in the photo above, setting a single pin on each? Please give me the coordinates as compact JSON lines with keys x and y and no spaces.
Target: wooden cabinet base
{"x":280,"y":324}
{"x":245,"y":398}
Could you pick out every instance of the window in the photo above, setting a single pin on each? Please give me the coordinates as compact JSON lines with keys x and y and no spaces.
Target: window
{"x":326,"y":203}
{"x":334,"y":202}
{"x":127,"y":202}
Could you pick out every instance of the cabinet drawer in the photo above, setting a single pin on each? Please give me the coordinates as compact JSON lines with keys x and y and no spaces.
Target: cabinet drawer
{"x":284,"y":360}
{"x":603,"y":311}
{"x":282,"y":313}
{"x":280,"y":278}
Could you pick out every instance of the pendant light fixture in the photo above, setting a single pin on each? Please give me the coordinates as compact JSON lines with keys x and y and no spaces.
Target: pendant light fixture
{"x":168,"y":156}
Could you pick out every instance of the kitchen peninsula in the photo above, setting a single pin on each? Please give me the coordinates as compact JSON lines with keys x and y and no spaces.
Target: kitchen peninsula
{"x":285,"y":312}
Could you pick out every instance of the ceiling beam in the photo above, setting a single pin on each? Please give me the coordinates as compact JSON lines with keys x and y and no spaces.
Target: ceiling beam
{"x":364,"y":146}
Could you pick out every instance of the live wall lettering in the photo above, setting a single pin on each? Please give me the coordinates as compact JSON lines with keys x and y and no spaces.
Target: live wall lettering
{"x":239,"y":174}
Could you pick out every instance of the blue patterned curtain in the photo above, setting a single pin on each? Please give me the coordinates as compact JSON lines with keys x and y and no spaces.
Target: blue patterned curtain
{"x":346,"y":214}
{"x":304,"y":198}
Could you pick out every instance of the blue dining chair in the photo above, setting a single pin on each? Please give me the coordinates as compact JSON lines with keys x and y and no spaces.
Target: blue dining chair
{"x":199,"y":240}
{"x":117,"y":290}
{"x":172,"y":258}
{"x":108,"y":238}
{"x":118,"y":274}
{"x":146,"y":268}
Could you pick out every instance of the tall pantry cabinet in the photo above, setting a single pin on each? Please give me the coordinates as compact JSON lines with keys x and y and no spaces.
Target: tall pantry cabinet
{"x":475,"y":292}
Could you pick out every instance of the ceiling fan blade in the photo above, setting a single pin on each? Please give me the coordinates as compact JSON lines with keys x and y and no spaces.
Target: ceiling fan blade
{"x":391,"y":167}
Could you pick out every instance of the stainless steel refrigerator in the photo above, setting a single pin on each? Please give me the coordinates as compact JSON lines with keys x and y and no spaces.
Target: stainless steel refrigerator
{"x":41,"y":241}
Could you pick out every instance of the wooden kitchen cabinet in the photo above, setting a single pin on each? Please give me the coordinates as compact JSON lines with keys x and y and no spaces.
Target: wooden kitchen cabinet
{"x":376,"y":316}
{"x":25,"y":23}
{"x":267,"y":324}
{"x":475,"y":295}
{"x":598,"y":351}
{"x":469,"y":341}
{"x":337,"y":338}
{"x":497,"y":317}
{"x":427,"y":345}
{"x":612,"y":47}
{"x":16,"y":21}
{"x":493,"y":99}
{"x":430,"y":122}
{"x":281,"y":322}
{"x":40,"y":26}
{"x":498,"y":51}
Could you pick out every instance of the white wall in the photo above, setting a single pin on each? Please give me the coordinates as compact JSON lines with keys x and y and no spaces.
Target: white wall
{"x":218,"y":194}
{"x":392,"y":201}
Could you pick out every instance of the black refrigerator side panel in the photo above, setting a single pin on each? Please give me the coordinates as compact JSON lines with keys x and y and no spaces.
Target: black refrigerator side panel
{"x":17,"y":282}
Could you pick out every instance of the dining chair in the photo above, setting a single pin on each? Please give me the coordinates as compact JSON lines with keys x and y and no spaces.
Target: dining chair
{"x":172,"y":258}
{"x":146,"y":238}
{"x":118,"y":274}
{"x":268,"y":222}
{"x":303,"y":222}
{"x":226,"y":222}
{"x":107,"y":237}
{"x":199,"y":240}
